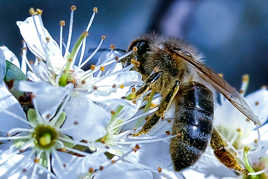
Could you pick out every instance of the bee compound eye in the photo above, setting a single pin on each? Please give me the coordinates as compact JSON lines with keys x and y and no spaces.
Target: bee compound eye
{"x":142,"y":46}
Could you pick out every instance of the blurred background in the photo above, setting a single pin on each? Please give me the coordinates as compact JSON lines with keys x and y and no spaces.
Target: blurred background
{"x":231,"y":34}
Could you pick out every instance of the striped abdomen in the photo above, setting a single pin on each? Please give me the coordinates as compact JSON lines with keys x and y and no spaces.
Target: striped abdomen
{"x":193,"y":124}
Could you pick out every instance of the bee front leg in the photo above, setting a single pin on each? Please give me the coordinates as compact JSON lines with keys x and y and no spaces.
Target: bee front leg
{"x":154,"y":76}
{"x":225,"y":156}
{"x":164,"y":105}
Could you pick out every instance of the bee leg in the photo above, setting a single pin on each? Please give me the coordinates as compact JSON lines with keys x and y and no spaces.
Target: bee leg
{"x":148,"y":83}
{"x":164,"y":105}
{"x":225,"y":156}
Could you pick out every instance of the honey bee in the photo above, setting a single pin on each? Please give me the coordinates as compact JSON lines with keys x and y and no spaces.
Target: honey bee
{"x":173,"y":69}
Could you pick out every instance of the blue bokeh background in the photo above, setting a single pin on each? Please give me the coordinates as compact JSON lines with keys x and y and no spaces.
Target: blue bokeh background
{"x":231,"y":34}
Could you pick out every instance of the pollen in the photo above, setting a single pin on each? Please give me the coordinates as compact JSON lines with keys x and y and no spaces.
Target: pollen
{"x":113,"y":112}
{"x":153,"y":105}
{"x":95,"y":9}
{"x":62,"y":23}
{"x":73,"y":7}
{"x":113,"y":161}
{"x":135,"y":62}
{"x":102,"y":68}
{"x":92,"y":67}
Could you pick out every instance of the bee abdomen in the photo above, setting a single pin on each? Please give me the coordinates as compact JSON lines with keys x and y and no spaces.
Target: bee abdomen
{"x":193,"y":124}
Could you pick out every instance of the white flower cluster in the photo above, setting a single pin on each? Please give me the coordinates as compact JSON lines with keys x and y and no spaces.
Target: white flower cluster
{"x":59,"y":120}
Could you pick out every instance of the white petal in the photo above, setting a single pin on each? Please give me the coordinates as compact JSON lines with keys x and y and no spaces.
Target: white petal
{"x":36,"y":37}
{"x":124,"y":170}
{"x":9,"y":56}
{"x":8,"y":102}
{"x":148,"y":153}
{"x":85,"y":119}
{"x":2,"y":66}
{"x":48,"y":98}
{"x":259,"y":103}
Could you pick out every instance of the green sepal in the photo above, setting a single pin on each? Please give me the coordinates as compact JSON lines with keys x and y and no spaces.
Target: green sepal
{"x":32,"y":116}
{"x":43,"y":160}
{"x":12,"y":77}
{"x":60,"y":120}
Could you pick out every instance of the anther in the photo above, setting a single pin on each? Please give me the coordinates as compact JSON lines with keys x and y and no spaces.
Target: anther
{"x":167,"y":132}
{"x":32,"y":11}
{"x":238,"y":130}
{"x":36,"y":160}
{"x":133,"y":90}
{"x":121,"y":86}
{"x":159,"y":169}
{"x":114,"y":86}
{"x":47,"y":39}
{"x":85,"y":34}
{"x":136,"y":148}
{"x":39,"y":11}
{"x":116,"y":58}
{"x":75,"y":122}
{"x":113,"y":112}
{"x":257,"y":103}
{"x":95,"y":9}
{"x":73,"y":7}
{"x":113,"y":161}
{"x":95,"y":87}
{"x":91,"y":170}
{"x":92,"y":67}
{"x":101,"y":168}
{"x":70,"y":60}
{"x":102,"y":68}
{"x":62,"y":23}
{"x":112,"y":46}
{"x":220,"y":75}
{"x":103,"y":37}
{"x":83,"y":82}
{"x":245,"y":78}
{"x":64,"y":165}
{"x":24,"y":170}
{"x":48,"y":116}
{"x":135,"y":49}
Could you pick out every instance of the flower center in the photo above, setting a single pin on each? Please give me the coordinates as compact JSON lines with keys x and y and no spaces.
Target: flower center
{"x":45,"y":136}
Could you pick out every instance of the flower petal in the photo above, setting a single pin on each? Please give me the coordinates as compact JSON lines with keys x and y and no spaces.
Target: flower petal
{"x":2,"y":66}
{"x":47,"y":98}
{"x":259,"y":103}
{"x":9,"y":103}
{"x":40,"y":42}
{"x":85,"y":119}
{"x":9,"y":56}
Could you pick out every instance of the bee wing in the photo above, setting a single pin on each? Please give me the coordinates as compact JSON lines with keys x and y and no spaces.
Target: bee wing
{"x":220,"y":85}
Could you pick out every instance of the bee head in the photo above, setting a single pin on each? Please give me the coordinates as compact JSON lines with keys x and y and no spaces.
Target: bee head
{"x":142,"y":46}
